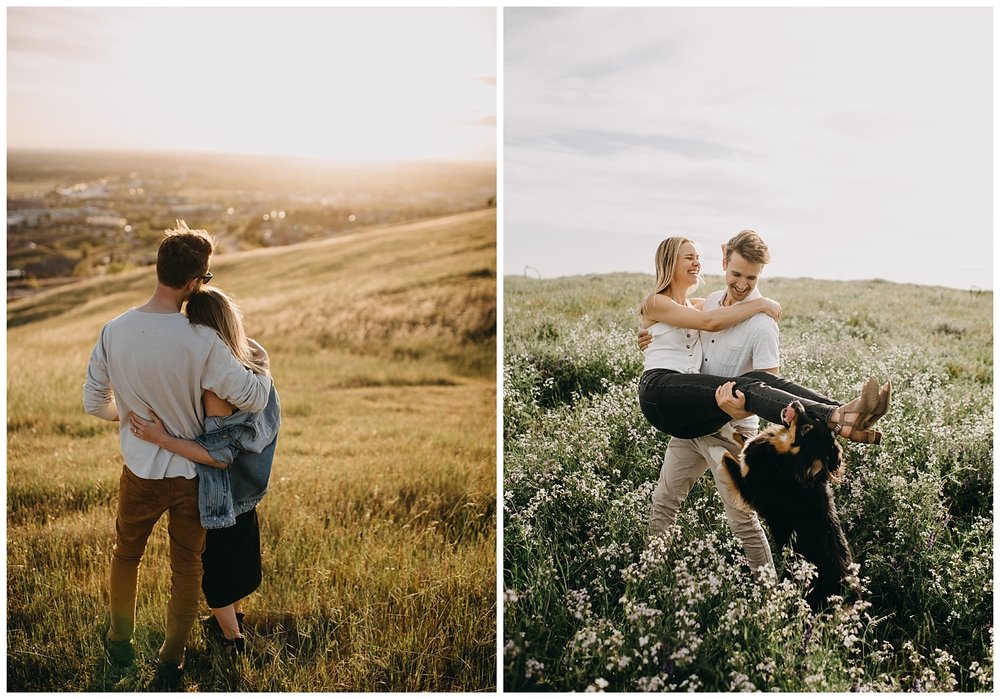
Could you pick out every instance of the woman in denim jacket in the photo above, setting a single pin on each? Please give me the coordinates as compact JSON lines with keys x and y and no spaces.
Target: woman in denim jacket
{"x":233,"y":458}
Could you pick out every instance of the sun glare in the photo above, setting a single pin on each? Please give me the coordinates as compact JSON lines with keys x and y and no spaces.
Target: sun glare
{"x":391,"y":83}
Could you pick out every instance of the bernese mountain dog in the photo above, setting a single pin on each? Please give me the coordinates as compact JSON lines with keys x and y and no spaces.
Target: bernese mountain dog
{"x":784,"y":473}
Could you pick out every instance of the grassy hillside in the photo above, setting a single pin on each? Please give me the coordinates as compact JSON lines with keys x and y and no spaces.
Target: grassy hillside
{"x":378,"y":532}
{"x":589,"y":605}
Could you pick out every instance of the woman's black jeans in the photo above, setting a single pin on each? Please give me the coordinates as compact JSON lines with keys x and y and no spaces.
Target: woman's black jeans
{"x":683,"y":405}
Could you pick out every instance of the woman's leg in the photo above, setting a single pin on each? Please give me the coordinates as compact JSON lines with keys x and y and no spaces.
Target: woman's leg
{"x":226,"y":616}
{"x":232,"y":571}
{"x":767,"y":395}
{"x":791,"y":387}
{"x":238,"y":608}
{"x":682,"y":405}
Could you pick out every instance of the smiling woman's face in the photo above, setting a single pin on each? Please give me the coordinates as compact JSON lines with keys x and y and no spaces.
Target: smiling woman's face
{"x":687,"y":267}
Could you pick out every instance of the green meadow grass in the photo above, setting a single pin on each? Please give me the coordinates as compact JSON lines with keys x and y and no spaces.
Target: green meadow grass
{"x":589,"y":604}
{"x":379,"y":528}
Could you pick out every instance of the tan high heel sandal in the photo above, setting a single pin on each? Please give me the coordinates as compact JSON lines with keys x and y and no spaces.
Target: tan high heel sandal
{"x":857,"y":415}
{"x":862,"y":436}
{"x":881,"y":407}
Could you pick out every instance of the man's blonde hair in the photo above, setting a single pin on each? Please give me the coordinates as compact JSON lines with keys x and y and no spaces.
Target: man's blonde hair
{"x":750,"y":247}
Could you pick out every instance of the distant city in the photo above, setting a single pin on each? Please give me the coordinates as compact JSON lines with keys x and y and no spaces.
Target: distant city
{"x":74,"y":215}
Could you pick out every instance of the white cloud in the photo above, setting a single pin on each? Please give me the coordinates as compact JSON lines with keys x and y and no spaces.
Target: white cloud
{"x":858,"y":132}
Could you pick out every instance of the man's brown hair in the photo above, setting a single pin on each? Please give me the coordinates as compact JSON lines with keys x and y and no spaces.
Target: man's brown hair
{"x":183,"y":255}
{"x":750,"y":247}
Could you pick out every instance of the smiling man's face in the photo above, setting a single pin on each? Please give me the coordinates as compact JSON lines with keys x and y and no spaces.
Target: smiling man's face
{"x":741,"y":276}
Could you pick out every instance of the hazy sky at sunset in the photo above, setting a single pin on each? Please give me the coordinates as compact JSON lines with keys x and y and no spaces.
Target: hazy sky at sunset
{"x":328,"y":82}
{"x":857,"y":141}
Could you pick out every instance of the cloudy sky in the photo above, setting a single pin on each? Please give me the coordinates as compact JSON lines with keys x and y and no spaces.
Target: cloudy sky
{"x":327,"y":82}
{"x":857,"y":142}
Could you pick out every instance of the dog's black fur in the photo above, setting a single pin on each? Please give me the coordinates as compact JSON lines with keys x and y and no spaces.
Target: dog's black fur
{"x":784,"y":473}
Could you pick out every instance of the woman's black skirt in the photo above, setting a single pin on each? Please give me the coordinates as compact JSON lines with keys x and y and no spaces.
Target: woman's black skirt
{"x":232,"y":561}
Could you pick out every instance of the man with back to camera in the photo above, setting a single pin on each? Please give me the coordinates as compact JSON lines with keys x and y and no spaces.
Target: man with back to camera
{"x":151,"y":359}
{"x":747,"y":346}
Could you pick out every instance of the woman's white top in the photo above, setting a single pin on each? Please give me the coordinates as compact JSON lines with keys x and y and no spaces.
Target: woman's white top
{"x":673,"y":348}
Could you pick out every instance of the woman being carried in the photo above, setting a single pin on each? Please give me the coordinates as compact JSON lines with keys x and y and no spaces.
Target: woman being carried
{"x":678,"y":400}
{"x":233,"y":458}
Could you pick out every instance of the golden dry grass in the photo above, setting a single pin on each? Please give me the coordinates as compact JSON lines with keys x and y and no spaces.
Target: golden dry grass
{"x":379,"y":529}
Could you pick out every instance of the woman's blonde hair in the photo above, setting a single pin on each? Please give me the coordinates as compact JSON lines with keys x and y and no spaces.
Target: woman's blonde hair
{"x":212,"y":307}
{"x":667,"y":256}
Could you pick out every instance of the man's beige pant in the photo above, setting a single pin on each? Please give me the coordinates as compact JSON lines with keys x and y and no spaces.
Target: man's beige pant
{"x":141,"y":503}
{"x":683,"y":463}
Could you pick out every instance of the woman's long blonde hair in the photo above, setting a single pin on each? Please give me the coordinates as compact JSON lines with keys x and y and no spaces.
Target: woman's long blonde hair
{"x":214,"y":308}
{"x":667,"y":255}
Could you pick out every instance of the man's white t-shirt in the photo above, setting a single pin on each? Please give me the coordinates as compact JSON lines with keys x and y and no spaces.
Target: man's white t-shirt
{"x":750,"y":345}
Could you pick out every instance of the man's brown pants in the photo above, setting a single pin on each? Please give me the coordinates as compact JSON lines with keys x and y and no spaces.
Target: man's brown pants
{"x":141,"y":503}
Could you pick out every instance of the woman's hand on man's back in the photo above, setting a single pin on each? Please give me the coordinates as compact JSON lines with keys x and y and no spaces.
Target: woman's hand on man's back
{"x":260,"y":353}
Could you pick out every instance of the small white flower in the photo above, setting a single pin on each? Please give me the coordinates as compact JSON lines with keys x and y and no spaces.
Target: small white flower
{"x":532,"y":668}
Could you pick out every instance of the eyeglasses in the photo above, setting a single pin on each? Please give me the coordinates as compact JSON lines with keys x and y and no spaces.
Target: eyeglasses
{"x":206,"y":277}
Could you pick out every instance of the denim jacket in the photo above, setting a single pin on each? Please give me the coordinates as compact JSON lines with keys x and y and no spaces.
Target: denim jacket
{"x":245,"y":441}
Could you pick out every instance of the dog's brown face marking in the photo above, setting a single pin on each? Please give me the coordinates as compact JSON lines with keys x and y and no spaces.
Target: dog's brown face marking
{"x":784,"y":443}
{"x":805,"y":432}
{"x":797,"y":425}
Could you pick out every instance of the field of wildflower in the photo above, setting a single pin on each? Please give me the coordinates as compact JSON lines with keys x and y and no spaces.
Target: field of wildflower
{"x":590,"y":605}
